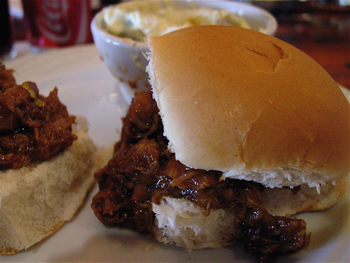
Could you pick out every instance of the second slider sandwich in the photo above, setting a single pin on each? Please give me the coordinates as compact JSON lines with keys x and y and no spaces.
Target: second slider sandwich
{"x":240,"y":131}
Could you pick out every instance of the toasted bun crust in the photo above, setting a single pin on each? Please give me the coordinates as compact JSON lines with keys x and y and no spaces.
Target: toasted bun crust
{"x":35,"y":201}
{"x":250,"y":105}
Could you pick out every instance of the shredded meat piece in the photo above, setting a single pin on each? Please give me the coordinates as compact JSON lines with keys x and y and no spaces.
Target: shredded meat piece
{"x":6,"y":77}
{"x":32,"y":127}
{"x":143,"y":170}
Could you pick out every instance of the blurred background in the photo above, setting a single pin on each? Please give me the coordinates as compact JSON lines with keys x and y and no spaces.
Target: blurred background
{"x":319,"y":28}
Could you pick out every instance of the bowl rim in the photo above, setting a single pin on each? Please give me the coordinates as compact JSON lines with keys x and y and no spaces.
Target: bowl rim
{"x":96,"y":27}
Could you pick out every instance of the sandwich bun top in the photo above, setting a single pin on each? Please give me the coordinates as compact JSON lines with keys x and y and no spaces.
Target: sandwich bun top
{"x":249,"y":105}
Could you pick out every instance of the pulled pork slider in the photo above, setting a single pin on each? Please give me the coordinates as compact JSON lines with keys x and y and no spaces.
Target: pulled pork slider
{"x":240,"y":131}
{"x":47,"y":161}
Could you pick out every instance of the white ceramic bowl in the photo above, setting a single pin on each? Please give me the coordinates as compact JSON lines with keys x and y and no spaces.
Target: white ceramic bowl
{"x":125,"y":58}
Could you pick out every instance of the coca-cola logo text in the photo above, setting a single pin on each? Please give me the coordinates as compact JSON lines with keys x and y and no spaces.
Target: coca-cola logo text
{"x":53,"y":20}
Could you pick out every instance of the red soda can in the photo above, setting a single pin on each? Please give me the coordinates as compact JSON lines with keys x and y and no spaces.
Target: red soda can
{"x":57,"y":23}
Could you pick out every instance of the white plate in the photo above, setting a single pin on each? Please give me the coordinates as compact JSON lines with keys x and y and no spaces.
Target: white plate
{"x":87,"y":88}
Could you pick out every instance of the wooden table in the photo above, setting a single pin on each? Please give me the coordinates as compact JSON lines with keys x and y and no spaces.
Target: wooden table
{"x":322,"y":32}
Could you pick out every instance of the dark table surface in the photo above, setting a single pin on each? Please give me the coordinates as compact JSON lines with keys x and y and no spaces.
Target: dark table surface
{"x":321,"y":30}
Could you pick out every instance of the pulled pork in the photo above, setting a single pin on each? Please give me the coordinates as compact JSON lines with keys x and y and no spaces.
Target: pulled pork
{"x":143,"y":170}
{"x":32,"y":127}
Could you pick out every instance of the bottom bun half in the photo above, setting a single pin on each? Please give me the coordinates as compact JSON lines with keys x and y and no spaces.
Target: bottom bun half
{"x":35,"y":201}
{"x":179,"y":221}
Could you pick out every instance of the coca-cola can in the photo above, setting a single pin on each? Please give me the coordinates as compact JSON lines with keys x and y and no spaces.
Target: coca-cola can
{"x":57,"y":23}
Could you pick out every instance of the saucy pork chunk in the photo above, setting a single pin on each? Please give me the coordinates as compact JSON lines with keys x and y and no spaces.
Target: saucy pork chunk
{"x":32,"y":127}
